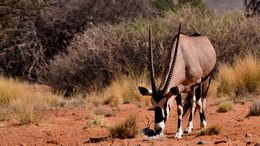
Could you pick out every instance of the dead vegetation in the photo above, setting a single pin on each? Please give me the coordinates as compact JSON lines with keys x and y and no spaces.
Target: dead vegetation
{"x":239,"y":79}
{"x":255,"y":108}
{"x":225,"y":107}
{"x":127,"y":129}
{"x":213,"y":130}
{"x":20,"y":101}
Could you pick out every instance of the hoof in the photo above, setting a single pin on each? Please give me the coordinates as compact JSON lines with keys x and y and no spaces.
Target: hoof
{"x":203,"y":125}
{"x":178,"y":135}
{"x":188,"y":130}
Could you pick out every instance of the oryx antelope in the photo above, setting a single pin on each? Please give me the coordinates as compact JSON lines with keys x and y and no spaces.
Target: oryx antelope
{"x":188,"y":69}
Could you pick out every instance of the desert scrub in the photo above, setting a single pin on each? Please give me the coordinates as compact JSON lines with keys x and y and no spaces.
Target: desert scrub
{"x":213,"y":130}
{"x":225,"y":107}
{"x":20,"y":100}
{"x":99,"y":54}
{"x":255,"y":109}
{"x":127,"y":129}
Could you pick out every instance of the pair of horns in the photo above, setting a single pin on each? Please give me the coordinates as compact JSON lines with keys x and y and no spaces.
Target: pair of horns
{"x":154,"y":90}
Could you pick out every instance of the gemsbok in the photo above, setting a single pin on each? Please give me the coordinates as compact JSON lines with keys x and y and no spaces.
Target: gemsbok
{"x":188,"y":69}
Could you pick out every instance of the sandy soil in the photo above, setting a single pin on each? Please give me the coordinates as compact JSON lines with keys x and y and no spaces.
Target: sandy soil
{"x":65,"y":127}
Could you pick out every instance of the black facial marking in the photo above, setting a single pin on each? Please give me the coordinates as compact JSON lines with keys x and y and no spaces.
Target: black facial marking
{"x":158,"y":115}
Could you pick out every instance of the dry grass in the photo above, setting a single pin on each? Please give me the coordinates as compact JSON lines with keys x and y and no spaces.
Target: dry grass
{"x":255,"y":109}
{"x":97,"y":121}
{"x":122,"y":90}
{"x":240,"y":78}
{"x":225,"y":107}
{"x":20,"y":100}
{"x":213,"y":130}
{"x":127,"y":129}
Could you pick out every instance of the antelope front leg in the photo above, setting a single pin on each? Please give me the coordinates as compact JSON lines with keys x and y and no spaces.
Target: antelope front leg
{"x":180,"y":112}
{"x":201,"y":107}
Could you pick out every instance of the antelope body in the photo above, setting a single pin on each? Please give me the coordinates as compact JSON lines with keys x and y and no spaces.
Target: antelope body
{"x":188,"y":68}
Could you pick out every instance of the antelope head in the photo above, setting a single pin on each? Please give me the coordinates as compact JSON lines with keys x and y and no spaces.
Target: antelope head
{"x":159,"y":98}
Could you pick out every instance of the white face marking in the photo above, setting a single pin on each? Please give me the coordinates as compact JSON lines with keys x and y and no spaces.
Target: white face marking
{"x":160,"y":125}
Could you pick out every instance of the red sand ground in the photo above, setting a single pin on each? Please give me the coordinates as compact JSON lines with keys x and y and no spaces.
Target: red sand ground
{"x":65,"y":127}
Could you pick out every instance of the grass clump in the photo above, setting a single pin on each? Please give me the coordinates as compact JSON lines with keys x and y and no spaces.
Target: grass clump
{"x":127,"y":129}
{"x":213,"y":130}
{"x":93,"y":120}
{"x":255,"y":109}
{"x":20,"y":100}
{"x":97,"y":121}
{"x":225,"y":107}
{"x":240,"y":78}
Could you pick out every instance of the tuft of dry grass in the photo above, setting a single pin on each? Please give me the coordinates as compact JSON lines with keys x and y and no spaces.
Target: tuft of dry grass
{"x":225,"y":107}
{"x":213,"y":130}
{"x":127,"y":129}
{"x":3,"y":114}
{"x":20,"y":100}
{"x":255,"y":109}
{"x":97,"y":121}
{"x":240,"y":78}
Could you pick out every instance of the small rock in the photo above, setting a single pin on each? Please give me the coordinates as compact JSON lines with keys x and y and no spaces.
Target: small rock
{"x":248,"y":135}
{"x":201,"y":142}
{"x":248,"y":143}
{"x":257,"y":144}
{"x":52,"y":142}
{"x":221,"y":141}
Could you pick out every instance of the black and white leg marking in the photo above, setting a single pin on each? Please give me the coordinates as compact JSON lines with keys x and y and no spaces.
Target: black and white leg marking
{"x":192,"y":97}
{"x":201,"y":106}
{"x":180,"y":113}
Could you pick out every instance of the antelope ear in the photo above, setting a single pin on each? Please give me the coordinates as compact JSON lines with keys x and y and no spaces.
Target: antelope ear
{"x":175,"y":90}
{"x":145,"y":91}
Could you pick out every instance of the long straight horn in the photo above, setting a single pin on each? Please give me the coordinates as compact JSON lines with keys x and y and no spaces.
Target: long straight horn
{"x":152,"y":66}
{"x":174,"y":60}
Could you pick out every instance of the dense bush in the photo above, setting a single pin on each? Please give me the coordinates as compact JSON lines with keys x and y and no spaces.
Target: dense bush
{"x":103,"y":52}
{"x":33,"y":32}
